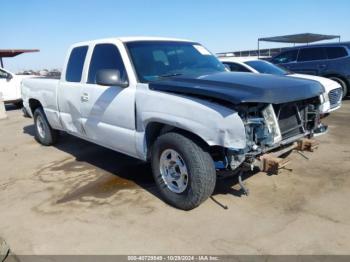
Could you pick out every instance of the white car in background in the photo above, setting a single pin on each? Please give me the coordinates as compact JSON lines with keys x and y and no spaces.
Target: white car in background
{"x":331,"y":99}
{"x":10,"y":87}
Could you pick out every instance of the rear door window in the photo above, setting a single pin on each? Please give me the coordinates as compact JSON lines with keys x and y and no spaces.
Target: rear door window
{"x":286,"y":57}
{"x":106,"y":56}
{"x":312,"y":54}
{"x":75,"y":64}
{"x":336,"y":52}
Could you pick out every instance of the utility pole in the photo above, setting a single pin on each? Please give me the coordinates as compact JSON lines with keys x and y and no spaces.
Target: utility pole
{"x":2,"y":108}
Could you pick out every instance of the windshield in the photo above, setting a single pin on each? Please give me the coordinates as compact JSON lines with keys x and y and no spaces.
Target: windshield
{"x":265,"y":67}
{"x":154,"y":60}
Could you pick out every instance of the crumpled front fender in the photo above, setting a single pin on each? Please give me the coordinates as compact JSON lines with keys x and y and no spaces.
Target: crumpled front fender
{"x":217,"y":125}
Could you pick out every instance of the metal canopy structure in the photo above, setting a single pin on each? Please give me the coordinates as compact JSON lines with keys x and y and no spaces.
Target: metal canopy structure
{"x":299,"y":38}
{"x":304,"y":38}
{"x":13,"y":52}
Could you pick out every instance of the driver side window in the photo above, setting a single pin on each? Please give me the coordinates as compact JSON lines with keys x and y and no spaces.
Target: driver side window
{"x":106,"y":56}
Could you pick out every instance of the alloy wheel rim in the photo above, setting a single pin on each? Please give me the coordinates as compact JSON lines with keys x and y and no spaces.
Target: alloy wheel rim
{"x":40,"y":126}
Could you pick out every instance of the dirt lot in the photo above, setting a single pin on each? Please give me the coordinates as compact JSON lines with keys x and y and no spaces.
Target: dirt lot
{"x":79,"y":198}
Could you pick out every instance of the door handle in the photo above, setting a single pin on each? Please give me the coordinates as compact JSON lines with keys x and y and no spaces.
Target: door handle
{"x":85,"y":97}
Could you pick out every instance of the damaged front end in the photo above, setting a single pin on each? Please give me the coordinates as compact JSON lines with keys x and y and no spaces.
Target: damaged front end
{"x":274,"y":130}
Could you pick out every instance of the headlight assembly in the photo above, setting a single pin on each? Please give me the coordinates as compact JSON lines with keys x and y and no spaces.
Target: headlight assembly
{"x":272,"y":123}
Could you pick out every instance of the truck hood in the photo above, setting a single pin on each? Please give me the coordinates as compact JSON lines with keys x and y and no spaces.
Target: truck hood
{"x":240,"y":88}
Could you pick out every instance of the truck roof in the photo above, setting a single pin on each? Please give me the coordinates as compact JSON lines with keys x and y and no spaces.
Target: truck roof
{"x":132,"y":39}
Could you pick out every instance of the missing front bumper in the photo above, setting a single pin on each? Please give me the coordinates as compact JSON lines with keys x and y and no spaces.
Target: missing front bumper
{"x":272,"y":162}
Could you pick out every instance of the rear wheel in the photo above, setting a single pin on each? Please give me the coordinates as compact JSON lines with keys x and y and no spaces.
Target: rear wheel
{"x":25,"y":112}
{"x":184,"y":172}
{"x":342,"y":84}
{"x":44,"y":134}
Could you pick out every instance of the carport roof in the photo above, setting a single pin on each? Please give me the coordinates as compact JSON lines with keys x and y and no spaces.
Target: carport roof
{"x":15,"y":52}
{"x":299,"y":38}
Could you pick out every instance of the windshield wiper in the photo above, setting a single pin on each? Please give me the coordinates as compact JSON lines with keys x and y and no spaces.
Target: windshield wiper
{"x":170,"y":75}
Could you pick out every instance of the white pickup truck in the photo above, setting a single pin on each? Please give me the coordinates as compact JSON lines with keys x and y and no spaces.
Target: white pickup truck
{"x":10,"y":87}
{"x":173,"y":103}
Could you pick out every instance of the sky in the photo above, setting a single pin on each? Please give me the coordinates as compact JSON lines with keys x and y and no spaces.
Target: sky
{"x":220,"y":25}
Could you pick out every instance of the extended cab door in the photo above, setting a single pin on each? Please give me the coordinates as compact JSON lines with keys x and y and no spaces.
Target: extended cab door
{"x":70,"y":91}
{"x":108,"y":112}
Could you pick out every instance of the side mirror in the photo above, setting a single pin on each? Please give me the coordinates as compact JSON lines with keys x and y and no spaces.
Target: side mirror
{"x":9,"y":77}
{"x":110,"y":77}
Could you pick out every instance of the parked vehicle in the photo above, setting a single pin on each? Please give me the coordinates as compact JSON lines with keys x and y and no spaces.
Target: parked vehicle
{"x":331,"y":98}
{"x":10,"y":87}
{"x":173,"y":103}
{"x":331,"y":60}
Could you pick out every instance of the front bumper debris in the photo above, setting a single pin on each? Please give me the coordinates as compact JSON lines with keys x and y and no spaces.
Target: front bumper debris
{"x":272,"y":162}
{"x":307,"y":145}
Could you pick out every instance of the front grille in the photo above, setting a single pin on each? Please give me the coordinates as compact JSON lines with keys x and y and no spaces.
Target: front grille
{"x":295,"y":118}
{"x":335,"y":97}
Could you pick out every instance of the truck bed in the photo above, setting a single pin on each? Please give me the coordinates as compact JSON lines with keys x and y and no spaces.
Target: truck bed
{"x":43,"y":90}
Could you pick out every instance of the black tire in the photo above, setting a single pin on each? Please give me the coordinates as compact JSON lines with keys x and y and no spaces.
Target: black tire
{"x":25,"y":112}
{"x":342,"y":84}
{"x":48,"y":136}
{"x":200,"y":167}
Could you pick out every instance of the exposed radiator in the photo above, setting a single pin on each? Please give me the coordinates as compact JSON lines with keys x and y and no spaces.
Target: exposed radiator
{"x":295,"y":118}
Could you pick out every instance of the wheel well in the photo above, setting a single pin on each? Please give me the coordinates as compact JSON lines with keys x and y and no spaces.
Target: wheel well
{"x":155,"y":129}
{"x":34,"y":104}
{"x":340,"y":77}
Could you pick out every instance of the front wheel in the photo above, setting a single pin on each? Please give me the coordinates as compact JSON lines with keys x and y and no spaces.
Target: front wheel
{"x":183,"y":170}
{"x":44,"y":134}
